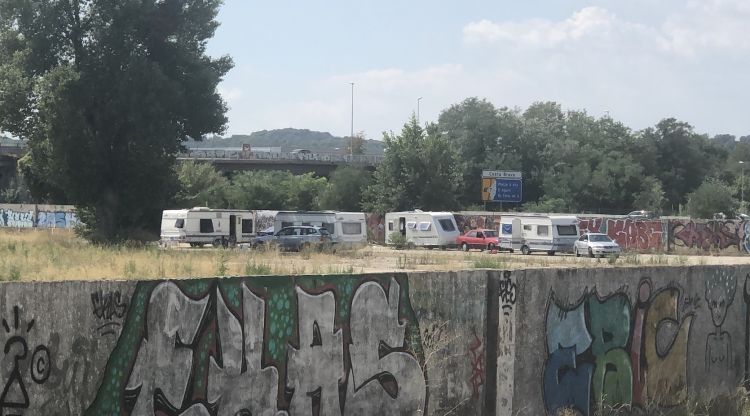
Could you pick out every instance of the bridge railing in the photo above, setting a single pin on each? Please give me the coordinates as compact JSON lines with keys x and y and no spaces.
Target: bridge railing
{"x":219,"y":154}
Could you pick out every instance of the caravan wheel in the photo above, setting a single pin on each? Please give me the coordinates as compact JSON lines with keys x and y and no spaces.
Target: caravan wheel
{"x":196,"y":245}
{"x":217,"y":243}
{"x":525,"y":250}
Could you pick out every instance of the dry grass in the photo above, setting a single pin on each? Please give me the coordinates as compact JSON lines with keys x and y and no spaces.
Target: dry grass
{"x":59,"y":255}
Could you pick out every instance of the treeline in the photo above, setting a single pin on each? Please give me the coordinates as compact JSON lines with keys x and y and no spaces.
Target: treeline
{"x":571,"y":162}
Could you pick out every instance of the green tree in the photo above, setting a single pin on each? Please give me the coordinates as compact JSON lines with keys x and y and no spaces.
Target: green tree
{"x":201,"y":185}
{"x":302,"y":191}
{"x":260,"y":190}
{"x":17,"y":192}
{"x":473,"y":129}
{"x":356,"y":145}
{"x":712,"y":196}
{"x":651,"y":196}
{"x":104,"y":92}
{"x":419,"y":170}
{"x":345,"y":189}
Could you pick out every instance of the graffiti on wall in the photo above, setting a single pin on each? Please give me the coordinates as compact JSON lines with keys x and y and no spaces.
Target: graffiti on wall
{"x":720,"y":290}
{"x":468,"y":222}
{"x":56,"y":219}
{"x":711,"y":235}
{"x":267,"y":346}
{"x":506,"y":348}
{"x":16,"y":218}
{"x":608,"y":351}
{"x":629,"y":234}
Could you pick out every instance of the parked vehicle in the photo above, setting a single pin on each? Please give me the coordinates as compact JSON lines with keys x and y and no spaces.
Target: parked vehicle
{"x":300,"y":237}
{"x":202,"y":225}
{"x":423,"y":229}
{"x":642,"y":215}
{"x":480,"y":239}
{"x":596,"y":244}
{"x":529,"y":233}
{"x":347,"y":229}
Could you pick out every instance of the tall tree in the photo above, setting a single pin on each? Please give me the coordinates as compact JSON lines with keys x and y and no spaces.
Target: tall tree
{"x":345,"y":189}
{"x":419,"y":171}
{"x":473,"y":128}
{"x":201,"y":185}
{"x":105,"y":91}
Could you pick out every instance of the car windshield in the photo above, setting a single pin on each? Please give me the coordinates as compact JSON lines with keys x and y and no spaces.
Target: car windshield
{"x":599,"y":238}
{"x":490,"y":233}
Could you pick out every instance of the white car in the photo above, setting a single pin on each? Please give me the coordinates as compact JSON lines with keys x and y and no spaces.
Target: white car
{"x":596,"y":244}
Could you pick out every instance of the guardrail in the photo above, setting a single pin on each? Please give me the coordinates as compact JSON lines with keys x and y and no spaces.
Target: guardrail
{"x":214,"y":154}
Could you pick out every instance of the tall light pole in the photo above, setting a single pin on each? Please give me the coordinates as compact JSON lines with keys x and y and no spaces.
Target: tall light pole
{"x":742,"y":185}
{"x":351,"y":136}
{"x":418,"y":100}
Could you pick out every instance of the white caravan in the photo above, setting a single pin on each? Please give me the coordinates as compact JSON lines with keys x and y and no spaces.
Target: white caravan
{"x":529,"y":233}
{"x":347,"y":229}
{"x":424,"y":229}
{"x":202,"y":225}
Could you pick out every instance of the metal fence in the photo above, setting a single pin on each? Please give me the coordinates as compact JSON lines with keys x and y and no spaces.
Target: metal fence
{"x":213,"y":154}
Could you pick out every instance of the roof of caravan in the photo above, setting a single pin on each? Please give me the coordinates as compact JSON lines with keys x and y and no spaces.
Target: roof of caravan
{"x":306,"y":212}
{"x":204,"y":209}
{"x":421,"y":212}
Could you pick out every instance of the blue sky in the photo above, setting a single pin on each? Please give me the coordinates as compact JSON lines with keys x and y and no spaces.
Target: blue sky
{"x":634,"y":59}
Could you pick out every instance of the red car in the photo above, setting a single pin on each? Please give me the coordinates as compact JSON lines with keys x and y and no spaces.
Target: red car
{"x":480,"y":238}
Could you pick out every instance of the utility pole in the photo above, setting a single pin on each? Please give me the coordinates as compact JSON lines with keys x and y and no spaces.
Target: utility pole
{"x":742,"y":185}
{"x":351,"y":135}
{"x":418,"y":100}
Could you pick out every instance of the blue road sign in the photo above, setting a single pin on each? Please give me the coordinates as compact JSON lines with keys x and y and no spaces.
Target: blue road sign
{"x":508,"y":190}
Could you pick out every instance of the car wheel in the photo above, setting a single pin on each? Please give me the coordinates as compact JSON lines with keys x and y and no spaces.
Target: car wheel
{"x":575,"y":251}
{"x":464,"y":247}
{"x":551,"y":253}
{"x":525,"y":250}
{"x":490,"y":247}
{"x":591,"y":253}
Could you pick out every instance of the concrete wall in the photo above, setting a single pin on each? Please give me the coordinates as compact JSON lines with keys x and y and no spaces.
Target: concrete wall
{"x":376,"y":344}
{"x":37,"y":216}
{"x":477,"y":342}
{"x":640,"y":336}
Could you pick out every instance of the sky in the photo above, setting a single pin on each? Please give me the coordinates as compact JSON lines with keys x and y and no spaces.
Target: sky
{"x":638,"y":61}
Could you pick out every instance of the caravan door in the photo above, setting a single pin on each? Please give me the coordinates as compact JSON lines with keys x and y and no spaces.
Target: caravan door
{"x":516,"y":241}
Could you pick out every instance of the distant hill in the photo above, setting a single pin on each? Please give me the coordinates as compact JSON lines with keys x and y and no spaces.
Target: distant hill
{"x":288,"y":139}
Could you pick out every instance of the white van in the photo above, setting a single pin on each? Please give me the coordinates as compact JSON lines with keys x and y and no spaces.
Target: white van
{"x":424,"y":229}
{"x":528,"y":233}
{"x":202,"y":225}
{"x":347,"y":229}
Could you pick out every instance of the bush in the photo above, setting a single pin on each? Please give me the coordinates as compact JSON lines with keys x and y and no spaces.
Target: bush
{"x":398,"y":240}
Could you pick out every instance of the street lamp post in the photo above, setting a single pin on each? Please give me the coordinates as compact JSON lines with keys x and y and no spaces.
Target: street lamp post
{"x":351,"y":135}
{"x":418,"y":100}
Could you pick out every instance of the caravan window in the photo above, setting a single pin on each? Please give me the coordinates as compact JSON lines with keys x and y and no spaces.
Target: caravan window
{"x":390,"y":226}
{"x":179,"y":223}
{"x":542,"y":229}
{"x":527,"y":227}
{"x":351,"y":228}
{"x":247,"y":226}
{"x":447,"y":225}
{"x":411,"y":225}
{"x":567,"y":230}
{"x":207,"y":225}
{"x":425,"y":226}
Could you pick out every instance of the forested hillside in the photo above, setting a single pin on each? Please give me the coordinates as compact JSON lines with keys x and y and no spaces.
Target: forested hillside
{"x":289,"y":139}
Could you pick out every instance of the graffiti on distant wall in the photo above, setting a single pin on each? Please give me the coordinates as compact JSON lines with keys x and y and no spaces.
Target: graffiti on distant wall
{"x":267,"y":346}
{"x":16,"y":219}
{"x":20,"y":216}
{"x":56,"y":219}
{"x":629,"y":234}
{"x":607,"y":351}
{"x":468,"y":222}
{"x":710,"y":235}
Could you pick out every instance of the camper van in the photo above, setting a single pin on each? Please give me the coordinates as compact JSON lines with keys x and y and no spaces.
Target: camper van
{"x":202,"y":225}
{"x":423,"y":229}
{"x":347,"y":229}
{"x":551,"y":234}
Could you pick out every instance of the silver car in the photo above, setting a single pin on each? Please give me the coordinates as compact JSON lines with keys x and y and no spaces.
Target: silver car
{"x":596,"y":244}
{"x":300,"y":237}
